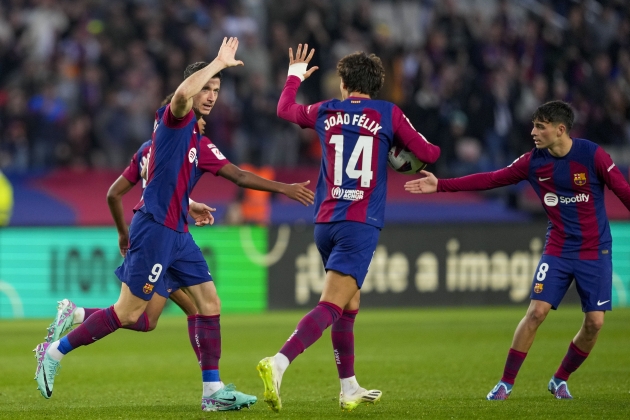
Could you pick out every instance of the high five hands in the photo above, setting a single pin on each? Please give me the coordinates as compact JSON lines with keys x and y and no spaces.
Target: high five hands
{"x":228,"y":51}
{"x":425,"y":185}
{"x":302,"y":56}
{"x":300,"y":193}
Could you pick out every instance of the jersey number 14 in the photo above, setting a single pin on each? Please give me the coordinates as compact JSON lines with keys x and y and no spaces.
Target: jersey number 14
{"x":363,"y":147}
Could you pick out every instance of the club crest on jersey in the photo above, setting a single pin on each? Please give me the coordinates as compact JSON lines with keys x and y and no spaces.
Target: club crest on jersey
{"x":192,"y":155}
{"x":148,"y":288}
{"x":538,"y":288}
{"x":579,"y":179}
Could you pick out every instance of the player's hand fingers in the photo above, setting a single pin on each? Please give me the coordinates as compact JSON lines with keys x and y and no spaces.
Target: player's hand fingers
{"x":310,"y":55}
{"x":298,"y":52}
{"x":304,"y":51}
{"x":290,"y":55}
{"x":307,"y":196}
{"x":309,"y":72}
{"x":211,"y":220}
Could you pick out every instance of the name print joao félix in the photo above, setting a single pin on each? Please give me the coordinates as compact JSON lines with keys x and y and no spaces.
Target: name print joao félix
{"x":358,"y":120}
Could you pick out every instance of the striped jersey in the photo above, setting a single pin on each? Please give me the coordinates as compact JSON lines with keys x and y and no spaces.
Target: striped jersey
{"x":179,"y":155}
{"x":355,"y":135}
{"x":138,"y":161}
{"x":571,"y":189}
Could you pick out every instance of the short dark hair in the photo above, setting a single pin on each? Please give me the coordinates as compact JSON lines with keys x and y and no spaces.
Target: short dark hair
{"x":555,"y":112}
{"x":362,"y":73}
{"x":195,"y":67}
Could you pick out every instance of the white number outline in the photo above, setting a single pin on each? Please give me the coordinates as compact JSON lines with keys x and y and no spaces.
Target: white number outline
{"x":363,"y":146}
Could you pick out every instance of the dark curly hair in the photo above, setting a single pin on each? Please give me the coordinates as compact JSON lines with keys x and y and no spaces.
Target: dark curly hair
{"x":362,"y":73}
{"x":555,"y":112}
{"x":195,"y":67}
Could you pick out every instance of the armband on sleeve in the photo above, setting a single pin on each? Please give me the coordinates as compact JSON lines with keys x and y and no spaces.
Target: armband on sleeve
{"x":298,"y":69}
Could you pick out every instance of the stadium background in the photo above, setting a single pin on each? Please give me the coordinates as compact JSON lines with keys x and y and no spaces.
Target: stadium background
{"x":80,"y":81}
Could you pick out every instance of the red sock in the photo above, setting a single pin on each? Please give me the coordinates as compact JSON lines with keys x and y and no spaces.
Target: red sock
{"x":571,"y":362}
{"x":191,"y":337}
{"x":89,"y":312}
{"x":342,"y":335}
{"x":102,"y":323}
{"x":208,"y":336}
{"x":513,"y":363}
{"x":310,"y":328}
{"x":142,"y":324}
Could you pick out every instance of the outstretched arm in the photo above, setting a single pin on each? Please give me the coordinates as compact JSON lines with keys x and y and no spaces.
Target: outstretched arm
{"x":302,"y":115}
{"x":425,"y":185}
{"x":512,"y":174}
{"x":182,"y":102}
{"x":119,"y":188}
{"x":246,"y":179}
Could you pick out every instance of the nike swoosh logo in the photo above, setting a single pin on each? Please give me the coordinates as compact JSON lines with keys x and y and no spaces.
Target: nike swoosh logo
{"x":48,"y":391}
{"x":543,"y":179}
{"x":601,"y":303}
{"x":229,"y":399}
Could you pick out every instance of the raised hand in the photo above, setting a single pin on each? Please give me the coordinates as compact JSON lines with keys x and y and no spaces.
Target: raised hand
{"x":228,"y":51}
{"x":303,"y":56}
{"x":425,"y":185}
{"x":299,"y":192}
{"x":201,"y":213}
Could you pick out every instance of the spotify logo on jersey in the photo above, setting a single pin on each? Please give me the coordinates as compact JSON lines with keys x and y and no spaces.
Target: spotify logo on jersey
{"x":551,"y":199}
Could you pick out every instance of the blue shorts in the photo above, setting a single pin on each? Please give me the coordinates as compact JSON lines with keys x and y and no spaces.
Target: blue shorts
{"x":593,"y":281}
{"x":347,"y":247}
{"x":166,"y":287}
{"x":160,"y":259}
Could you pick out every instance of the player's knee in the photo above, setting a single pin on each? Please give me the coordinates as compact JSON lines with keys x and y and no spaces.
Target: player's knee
{"x":536,"y":316}
{"x":211,"y":306}
{"x":592,"y":326}
{"x":127,"y":319}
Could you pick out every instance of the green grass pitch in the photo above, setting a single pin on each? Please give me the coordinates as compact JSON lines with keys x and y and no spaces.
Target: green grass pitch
{"x":429,"y":363}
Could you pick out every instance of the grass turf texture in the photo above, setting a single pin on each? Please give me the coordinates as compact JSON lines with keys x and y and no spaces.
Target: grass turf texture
{"x":430,"y":363}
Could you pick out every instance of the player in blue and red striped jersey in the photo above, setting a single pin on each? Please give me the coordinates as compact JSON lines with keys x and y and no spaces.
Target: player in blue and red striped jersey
{"x":355,"y":134}
{"x":210,"y":160}
{"x":160,"y":242}
{"x":69,"y":315}
{"x":569,"y":176}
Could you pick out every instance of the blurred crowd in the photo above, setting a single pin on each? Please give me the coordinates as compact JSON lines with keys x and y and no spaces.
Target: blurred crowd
{"x":80,"y":80}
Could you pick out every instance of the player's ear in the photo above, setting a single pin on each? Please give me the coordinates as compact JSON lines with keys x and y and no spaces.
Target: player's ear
{"x":561,"y":129}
